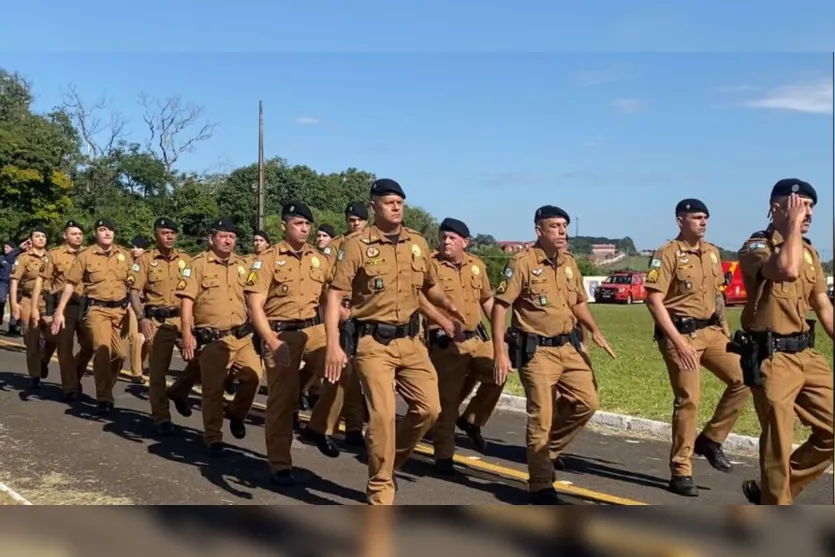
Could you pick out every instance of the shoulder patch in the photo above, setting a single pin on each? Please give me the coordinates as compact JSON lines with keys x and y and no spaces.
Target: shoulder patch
{"x":655,"y":263}
{"x":340,"y":254}
{"x":186,"y":272}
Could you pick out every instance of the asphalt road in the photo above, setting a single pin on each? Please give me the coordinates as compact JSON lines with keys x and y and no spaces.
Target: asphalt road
{"x":55,"y":453}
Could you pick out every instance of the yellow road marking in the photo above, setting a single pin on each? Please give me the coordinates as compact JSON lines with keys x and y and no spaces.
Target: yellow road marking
{"x":427,"y":450}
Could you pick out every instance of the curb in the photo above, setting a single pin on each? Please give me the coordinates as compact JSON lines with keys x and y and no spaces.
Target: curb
{"x":739,"y":444}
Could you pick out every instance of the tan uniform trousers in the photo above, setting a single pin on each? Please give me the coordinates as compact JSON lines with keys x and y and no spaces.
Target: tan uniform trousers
{"x":403,"y":367}
{"x":138,"y":345}
{"x":72,"y":366}
{"x":552,"y":371}
{"x":217,"y":359}
{"x":160,"y":352}
{"x":343,"y":398}
{"x":108,"y":330}
{"x":36,"y":356}
{"x":793,"y":384}
{"x":457,"y":366}
{"x":710,"y":344}
{"x":283,"y":387}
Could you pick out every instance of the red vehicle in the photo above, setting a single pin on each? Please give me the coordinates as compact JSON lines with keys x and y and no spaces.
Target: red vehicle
{"x":622,"y":287}
{"x":734,"y":289}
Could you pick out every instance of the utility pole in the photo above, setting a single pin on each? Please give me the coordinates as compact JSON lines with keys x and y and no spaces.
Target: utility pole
{"x":262,"y":191}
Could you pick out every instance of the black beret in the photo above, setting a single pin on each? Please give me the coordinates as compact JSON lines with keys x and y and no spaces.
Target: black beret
{"x":788,"y":186}
{"x":73,"y":224}
{"x":296,"y":209}
{"x":456,"y":226}
{"x":550,"y":212}
{"x":165,"y":223}
{"x":140,"y":242}
{"x":224,"y":225}
{"x":358,"y":210}
{"x":327,"y":229}
{"x":263,"y":234}
{"x":11,"y":244}
{"x":691,"y":206}
{"x":386,"y":186}
{"x":106,"y":223}
{"x":40,"y":229}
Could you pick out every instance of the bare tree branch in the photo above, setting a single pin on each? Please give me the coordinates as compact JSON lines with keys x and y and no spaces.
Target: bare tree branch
{"x":171,"y":126}
{"x":101,"y":139}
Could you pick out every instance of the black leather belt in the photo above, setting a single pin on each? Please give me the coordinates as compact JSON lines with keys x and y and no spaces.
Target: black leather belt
{"x":161,"y":312}
{"x":108,"y":304}
{"x":388,"y":330}
{"x":792,"y":344}
{"x":553,"y":342}
{"x":687,"y":325}
{"x":295,"y":324}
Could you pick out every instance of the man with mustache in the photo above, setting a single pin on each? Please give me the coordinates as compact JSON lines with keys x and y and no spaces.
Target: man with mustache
{"x":784,"y":279}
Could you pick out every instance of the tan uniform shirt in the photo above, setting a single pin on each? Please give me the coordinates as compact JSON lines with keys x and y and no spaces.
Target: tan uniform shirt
{"x":385,"y":278}
{"x":292,"y":282}
{"x":54,"y":273}
{"x":466,"y":285}
{"x":217,"y":288}
{"x":690,"y":278}
{"x":156,"y":276}
{"x":542,"y":293}
{"x":104,"y":275}
{"x":26,"y":269}
{"x":780,"y":305}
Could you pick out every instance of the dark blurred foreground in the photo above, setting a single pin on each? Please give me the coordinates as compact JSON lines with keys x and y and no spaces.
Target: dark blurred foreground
{"x":485,"y":531}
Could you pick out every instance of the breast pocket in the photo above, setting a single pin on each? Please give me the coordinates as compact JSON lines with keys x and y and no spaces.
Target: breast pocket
{"x":210,"y":283}
{"x":284,"y":284}
{"x":783,"y":290}
{"x":317,"y":276}
{"x":97,"y":273}
{"x":573,"y":293}
{"x":685,"y":280}
{"x":155,"y":277}
{"x":418,"y":272}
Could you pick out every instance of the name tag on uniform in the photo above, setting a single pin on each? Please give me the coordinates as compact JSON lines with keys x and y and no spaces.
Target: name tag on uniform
{"x":543,"y":300}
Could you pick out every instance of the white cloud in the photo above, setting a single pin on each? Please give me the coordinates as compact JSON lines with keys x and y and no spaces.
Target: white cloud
{"x":308,"y":121}
{"x":813,"y":97}
{"x":588,"y":78}
{"x":628,"y":106}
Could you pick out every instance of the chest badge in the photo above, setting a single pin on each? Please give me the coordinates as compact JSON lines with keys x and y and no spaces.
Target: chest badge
{"x":315,"y":262}
{"x":476,"y":271}
{"x":280,"y":263}
{"x":241,"y":270}
{"x":714,"y":259}
{"x":543,"y":300}
{"x":181,"y":264}
{"x":569,"y":274}
{"x":120,"y":257}
{"x":154,"y":263}
{"x":416,"y":250}
{"x":808,"y":257}
{"x":372,"y":252}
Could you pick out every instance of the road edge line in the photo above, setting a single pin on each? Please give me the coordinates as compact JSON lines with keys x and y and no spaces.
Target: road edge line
{"x":17,"y":497}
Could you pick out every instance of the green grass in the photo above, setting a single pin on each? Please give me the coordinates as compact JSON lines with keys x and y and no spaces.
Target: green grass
{"x":636,"y":383}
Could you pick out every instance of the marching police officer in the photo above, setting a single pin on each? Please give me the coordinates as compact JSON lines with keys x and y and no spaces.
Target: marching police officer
{"x":385,"y":267}
{"x":51,"y":281}
{"x":260,"y":244}
{"x":102,"y":270}
{"x":783,"y":277}
{"x":324,"y":237}
{"x":460,"y":351}
{"x":543,"y":286}
{"x":138,"y":343}
{"x":686,"y":302}
{"x":353,"y":404}
{"x":284,"y":291}
{"x":27,"y":267}
{"x":154,"y":278}
{"x":214,"y":321}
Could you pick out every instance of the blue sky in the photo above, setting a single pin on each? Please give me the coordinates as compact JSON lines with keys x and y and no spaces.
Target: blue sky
{"x":480,"y":112}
